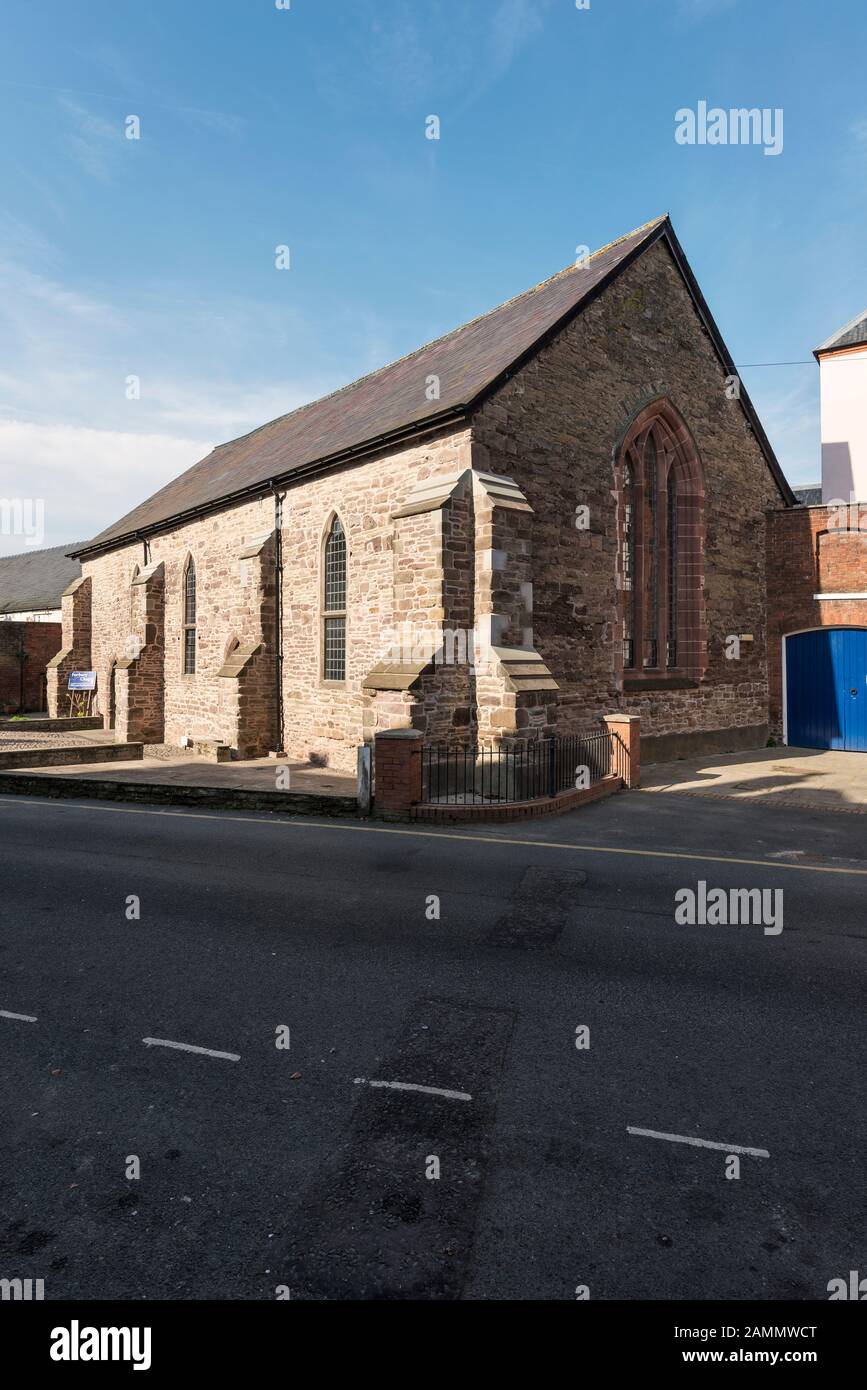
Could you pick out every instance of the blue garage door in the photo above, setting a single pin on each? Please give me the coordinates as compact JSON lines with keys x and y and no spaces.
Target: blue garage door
{"x":826,"y":689}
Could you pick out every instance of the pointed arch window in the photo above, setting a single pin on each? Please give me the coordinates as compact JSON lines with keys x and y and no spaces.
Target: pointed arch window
{"x":673,"y":576}
{"x":662,"y":508}
{"x":628,"y":565}
{"x":334,"y":603}
{"x":651,"y":553}
{"x":190,"y":618}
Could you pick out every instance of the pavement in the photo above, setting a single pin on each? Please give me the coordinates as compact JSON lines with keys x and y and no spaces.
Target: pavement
{"x":253,"y":774}
{"x":786,"y":777}
{"x":13,"y":740}
{"x":385,"y":1097}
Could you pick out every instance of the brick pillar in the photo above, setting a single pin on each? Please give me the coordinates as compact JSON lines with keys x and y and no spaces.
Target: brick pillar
{"x":397,"y":770}
{"x":74,"y":654}
{"x":627,"y":728}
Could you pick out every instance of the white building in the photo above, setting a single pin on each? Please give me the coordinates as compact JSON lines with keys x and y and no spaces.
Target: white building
{"x":843,"y":384}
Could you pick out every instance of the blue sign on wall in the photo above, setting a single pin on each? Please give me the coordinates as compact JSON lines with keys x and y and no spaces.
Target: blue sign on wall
{"x":81,"y":680}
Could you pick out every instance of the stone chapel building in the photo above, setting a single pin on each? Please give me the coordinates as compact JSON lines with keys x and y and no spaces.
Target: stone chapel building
{"x":555,"y":512}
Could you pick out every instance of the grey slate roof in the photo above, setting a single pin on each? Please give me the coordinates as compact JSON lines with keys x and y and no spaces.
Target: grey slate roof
{"x":34,"y":580}
{"x":809,"y":496}
{"x":391,"y":404}
{"x":854,"y":334}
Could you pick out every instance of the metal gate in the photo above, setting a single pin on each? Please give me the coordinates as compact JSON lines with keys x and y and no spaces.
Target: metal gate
{"x":825,"y":689}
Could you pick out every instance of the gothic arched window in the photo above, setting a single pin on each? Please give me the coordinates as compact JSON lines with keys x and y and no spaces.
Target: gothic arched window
{"x":628,"y":565}
{"x":662,"y":500}
{"x":190,"y":618}
{"x":334,"y":604}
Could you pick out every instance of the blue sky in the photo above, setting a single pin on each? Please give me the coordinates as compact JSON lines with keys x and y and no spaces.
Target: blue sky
{"x":306,"y":127}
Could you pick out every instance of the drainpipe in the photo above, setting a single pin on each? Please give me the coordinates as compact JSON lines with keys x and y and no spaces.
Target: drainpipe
{"x":278,"y":616}
{"x":22,"y":657}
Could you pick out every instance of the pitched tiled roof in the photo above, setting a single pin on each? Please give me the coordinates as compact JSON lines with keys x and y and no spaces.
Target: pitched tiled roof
{"x":392,"y":404}
{"x":809,"y":496}
{"x":854,"y":334}
{"x":35,"y":580}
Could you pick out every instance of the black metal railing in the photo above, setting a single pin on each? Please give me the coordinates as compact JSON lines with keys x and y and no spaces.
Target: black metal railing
{"x":520,"y":769}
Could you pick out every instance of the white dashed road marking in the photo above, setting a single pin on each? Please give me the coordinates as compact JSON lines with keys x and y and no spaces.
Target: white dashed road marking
{"x":411,"y":1086}
{"x":698,"y":1143}
{"x":22,"y":1018}
{"x":188,"y":1047}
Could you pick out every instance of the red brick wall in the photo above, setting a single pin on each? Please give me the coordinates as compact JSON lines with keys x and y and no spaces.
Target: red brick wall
{"x":810,"y":552}
{"x":41,"y":641}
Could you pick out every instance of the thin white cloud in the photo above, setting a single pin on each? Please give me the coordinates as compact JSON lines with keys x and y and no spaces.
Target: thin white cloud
{"x":217,"y":122}
{"x":93,"y":142}
{"x":55,"y":297}
{"x":514,"y":22}
{"x":790,"y":415}
{"x":87,"y":478}
{"x":74,"y":433}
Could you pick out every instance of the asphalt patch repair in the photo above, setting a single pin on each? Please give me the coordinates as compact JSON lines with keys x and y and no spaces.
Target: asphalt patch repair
{"x":379,"y":1227}
{"x":539,"y":909}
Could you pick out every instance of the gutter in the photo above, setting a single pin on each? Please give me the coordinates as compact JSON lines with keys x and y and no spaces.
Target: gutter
{"x":278,"y":618}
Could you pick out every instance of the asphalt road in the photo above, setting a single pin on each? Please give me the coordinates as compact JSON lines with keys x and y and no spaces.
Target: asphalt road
{"x":295,"y":1169}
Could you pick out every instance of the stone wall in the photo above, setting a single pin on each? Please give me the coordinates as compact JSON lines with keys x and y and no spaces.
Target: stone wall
{"x":40,"y":642}
{"x":75,"y":646}
{"x":513,"y":577}
{"x":229,"y":611}
{"x":554,"y":427}
{"x":139,"y":684}
{"x":235,"y":593}
{"x":812,"y":550}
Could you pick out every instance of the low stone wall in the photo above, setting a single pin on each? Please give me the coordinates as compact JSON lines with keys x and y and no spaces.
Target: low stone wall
{"x":162,"y":794}
{"x":666,"y":748}
{"x":63,"y":757}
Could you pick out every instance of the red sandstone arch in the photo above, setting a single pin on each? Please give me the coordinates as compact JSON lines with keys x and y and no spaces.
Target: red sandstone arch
{"x":660,"y":488}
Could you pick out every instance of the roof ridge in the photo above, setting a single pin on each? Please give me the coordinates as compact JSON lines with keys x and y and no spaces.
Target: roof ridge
{"x":434,"y":342}
{"x":841,"y":332}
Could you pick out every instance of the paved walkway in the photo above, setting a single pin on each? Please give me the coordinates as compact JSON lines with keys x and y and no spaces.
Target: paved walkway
{"x":772,"y":776}
{"x":256,"y":774}
{"x":14,"y":740}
